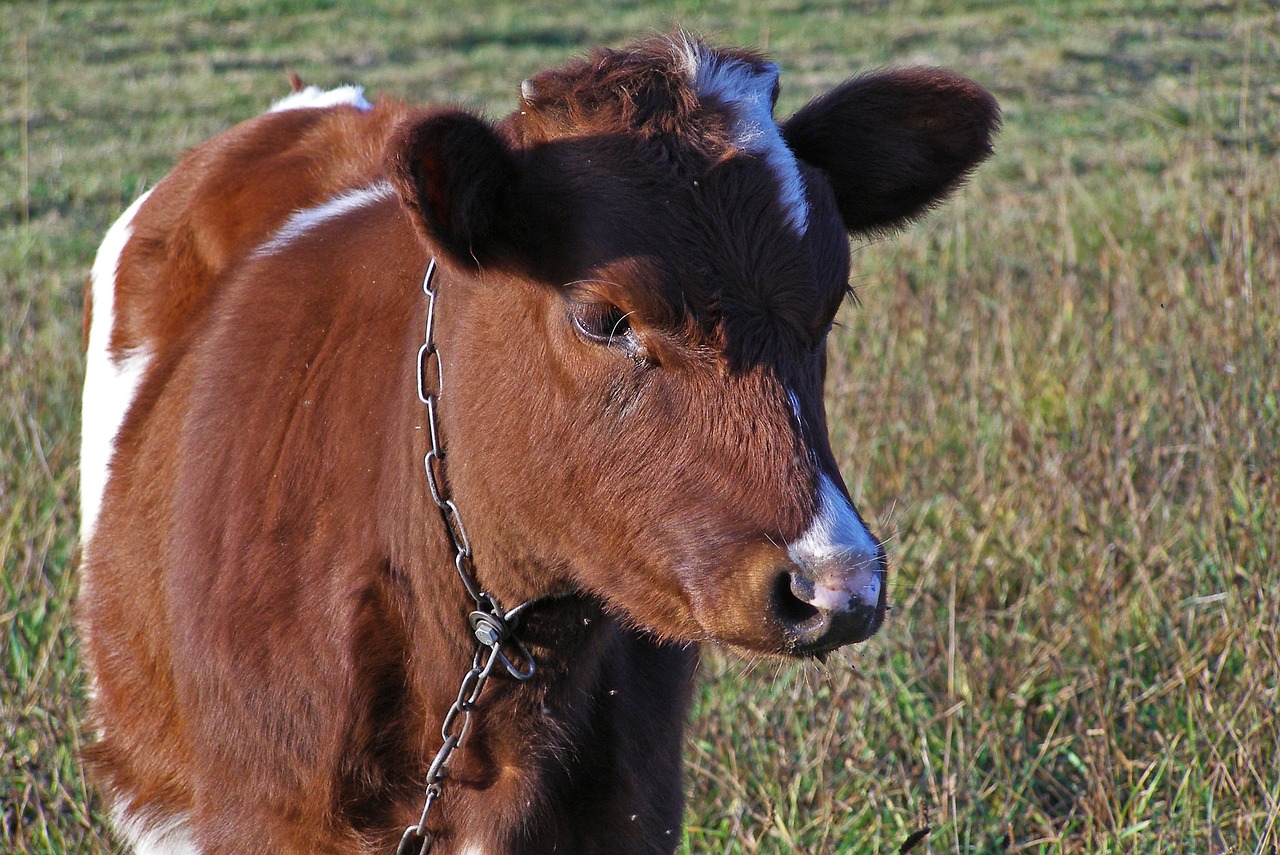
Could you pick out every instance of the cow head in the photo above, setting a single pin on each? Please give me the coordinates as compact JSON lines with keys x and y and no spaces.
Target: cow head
{"x":641,"y":272}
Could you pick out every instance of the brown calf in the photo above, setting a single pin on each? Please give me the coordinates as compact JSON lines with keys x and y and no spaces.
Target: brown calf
{"x":638,"y":273}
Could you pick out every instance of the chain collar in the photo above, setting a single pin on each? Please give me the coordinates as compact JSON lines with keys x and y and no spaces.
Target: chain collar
{"x":492,"y":627}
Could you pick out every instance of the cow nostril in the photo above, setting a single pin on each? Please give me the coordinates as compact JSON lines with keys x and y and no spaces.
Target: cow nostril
{"x":793,"y":610}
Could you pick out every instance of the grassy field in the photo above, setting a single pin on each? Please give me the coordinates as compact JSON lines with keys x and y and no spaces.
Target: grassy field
{"x":1060,"y":396}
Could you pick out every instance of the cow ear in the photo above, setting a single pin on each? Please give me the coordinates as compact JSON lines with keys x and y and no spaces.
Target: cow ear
{"x":896,"y":143}
{"x":456,"y":177}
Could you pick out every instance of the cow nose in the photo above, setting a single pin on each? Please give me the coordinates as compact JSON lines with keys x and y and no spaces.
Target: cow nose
{"x":832,"y":603}
{"x":833,"y":593}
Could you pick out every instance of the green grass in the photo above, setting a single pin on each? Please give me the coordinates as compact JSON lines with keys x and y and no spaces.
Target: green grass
{"x":1060,"y":396}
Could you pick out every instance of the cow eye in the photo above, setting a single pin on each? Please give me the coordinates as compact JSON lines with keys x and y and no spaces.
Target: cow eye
{"x":601,"y":323}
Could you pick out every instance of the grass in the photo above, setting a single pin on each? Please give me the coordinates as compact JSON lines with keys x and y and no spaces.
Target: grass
{"x":1060,"y":397}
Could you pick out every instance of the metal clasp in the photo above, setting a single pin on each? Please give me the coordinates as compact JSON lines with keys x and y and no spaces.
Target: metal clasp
{"x":494,"y":629}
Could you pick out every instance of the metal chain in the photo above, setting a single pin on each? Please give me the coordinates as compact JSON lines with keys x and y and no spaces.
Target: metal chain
{"x":492,"y":627}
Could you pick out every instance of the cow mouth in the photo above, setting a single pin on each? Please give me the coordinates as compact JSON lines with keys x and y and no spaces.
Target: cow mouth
{"x":788,"y":627}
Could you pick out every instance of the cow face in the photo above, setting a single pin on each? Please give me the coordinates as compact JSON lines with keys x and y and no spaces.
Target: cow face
{"x":642,"y":268}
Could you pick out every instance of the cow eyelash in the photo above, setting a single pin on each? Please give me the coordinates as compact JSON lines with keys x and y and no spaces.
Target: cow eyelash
{"x":601,"y":323}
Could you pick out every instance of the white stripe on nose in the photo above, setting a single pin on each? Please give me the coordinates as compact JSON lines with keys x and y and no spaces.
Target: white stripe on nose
{"x":840,"y":553}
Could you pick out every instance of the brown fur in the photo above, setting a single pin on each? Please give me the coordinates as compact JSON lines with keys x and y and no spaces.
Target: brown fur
{"x":272,"y":615}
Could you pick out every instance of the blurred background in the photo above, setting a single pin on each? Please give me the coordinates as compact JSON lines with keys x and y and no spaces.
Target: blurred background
{"x":1058,"y":397}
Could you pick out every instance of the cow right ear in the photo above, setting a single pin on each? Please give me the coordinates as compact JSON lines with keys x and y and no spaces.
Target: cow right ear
{"x":456,"y":177}
{"x":895,"y":144}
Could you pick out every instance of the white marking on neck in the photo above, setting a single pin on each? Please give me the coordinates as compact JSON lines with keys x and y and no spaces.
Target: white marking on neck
{"x":300,"y":222}
{"x":836,"y":532}
{"x":168,"y":836}
{"x":315,"y":97}
{"x":111,"y":380}
{"x":749,"y":94}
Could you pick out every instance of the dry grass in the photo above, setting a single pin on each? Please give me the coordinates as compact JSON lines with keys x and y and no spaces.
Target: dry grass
{"x":1061,"y":396}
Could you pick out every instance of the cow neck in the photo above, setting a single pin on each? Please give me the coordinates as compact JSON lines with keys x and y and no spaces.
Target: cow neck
{"x":492,"y":627}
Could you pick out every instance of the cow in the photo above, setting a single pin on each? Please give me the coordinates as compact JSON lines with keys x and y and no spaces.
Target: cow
{"x":594,"y":330}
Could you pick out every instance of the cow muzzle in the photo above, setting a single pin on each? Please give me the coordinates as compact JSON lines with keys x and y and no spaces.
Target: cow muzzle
{"x":834,"y":592}
{"x":832,"y":602}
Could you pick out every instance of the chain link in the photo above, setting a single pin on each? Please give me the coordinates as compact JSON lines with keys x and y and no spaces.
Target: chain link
{"x":491,"y":627}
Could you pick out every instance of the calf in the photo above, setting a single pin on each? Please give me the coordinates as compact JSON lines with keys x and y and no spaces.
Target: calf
{"x":622,"y":353}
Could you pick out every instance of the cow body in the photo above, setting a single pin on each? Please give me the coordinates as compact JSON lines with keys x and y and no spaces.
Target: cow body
{"x":638,"y":269}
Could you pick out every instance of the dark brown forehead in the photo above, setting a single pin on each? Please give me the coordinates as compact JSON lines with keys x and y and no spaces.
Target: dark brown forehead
{"x":667,"y":152}
{"x":720,"y":268}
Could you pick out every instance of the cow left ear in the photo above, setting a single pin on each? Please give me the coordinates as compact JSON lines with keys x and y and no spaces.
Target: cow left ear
{"x":456,"y":177}
{"x":896,"y":143}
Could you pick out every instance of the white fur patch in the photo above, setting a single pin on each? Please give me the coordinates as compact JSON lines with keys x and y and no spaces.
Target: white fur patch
{"x":749,"y":93}
{"x":837,"y":532}
{"x":300,"y":222}
{"x":315,"y":97}
{"x":110,"y":380}
{"x":795,"y":407}
{"x":167,"y":837}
